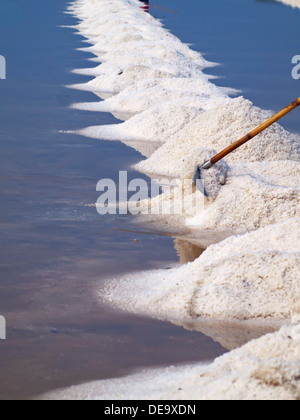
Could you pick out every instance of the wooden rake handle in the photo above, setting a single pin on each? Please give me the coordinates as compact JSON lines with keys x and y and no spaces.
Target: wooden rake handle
{"x":255,"y":132}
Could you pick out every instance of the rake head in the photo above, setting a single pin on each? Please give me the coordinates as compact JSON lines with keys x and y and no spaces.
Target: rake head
{"x":198,"y":181}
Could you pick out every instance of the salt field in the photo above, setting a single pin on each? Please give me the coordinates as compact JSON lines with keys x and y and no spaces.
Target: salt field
{"x":247,"y":283}
{"x":197,"y":303}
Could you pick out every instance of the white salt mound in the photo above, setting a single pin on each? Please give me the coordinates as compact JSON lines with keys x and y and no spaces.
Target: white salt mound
{"x":264,"y":369}
{"x":254,"y":196}
{"x":219,"y":127}
{"x":132,"y":47}
{"x":293,"y":3}
{"x":250,"y":277}
{"x":241,"y":198}
{"x":148,"y":93}
{"x":154,"y":124}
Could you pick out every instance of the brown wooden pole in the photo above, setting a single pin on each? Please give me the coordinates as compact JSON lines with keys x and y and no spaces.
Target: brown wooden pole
{"x":253,"y":133}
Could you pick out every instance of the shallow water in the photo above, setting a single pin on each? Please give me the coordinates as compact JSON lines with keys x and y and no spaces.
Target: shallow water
{"x":54,"y":249}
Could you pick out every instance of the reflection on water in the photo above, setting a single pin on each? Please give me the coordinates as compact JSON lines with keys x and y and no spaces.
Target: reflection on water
{"x":187,"y":251}
{"x":231,"y":335}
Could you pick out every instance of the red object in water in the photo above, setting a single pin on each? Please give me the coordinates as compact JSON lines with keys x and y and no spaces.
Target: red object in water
{"x":146,"y":5}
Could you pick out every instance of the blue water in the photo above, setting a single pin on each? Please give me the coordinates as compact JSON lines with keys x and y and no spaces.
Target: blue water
{"x":53,"y":249}
{"x":252,"y":40}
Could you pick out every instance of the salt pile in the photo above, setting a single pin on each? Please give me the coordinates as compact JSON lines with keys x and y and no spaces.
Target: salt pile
{"x":249,"y":277}
{"x":217,"y":128}
{"x":293,"y":3}
{"x":240,"y":288}
{"x":179,"y":113}
{"x":131,"y":46}
{"x":149,"y":92}
{"x":151,"y":125}
{"x":265,"y":369}
{"x":241,"y":198}
{"x":255,"y":195}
